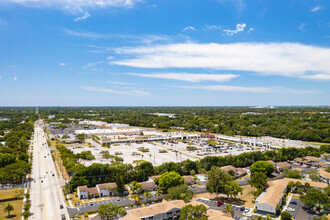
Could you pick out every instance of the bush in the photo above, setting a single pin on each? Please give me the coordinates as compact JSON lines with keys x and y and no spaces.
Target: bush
{"x":26,"y":214}
{"x":86,"y":215}
{"x":285,"y":215}
{"x":27,"y":206}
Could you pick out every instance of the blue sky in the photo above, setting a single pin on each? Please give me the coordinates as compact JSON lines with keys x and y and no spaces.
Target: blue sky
{"x":164,"y":52}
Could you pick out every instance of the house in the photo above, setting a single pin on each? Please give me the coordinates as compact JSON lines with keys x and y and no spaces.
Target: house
{"x":152,"y":178}
{"x":106,"y":189}
{"x":237,"y":172}
{"x":93,"y":192}
{"x":298,"y":160}
{"x":149,"y":186}
{"x":272,"y":162}
{"x":324,"y":175}
{"x":317,"y":185}
{"x":82,"y":192}
{"x":188,"y":180}
{"x":267,"y":202}
{"x":169,"y":211}
{"x":282,"y":165}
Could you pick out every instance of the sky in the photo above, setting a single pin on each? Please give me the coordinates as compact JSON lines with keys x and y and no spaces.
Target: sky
{"x":164,"y":52}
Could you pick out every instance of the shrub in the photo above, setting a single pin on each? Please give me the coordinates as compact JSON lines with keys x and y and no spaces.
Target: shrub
{"x":26,"y":214}
{"x":285,"y":215}
{"x":86,"y":215}
{"x":27,"y":206}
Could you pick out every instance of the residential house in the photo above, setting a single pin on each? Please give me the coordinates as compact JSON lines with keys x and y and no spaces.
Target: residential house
{"x":317,"y":185}
{"x":93,"y":192}
{"x":106,"y":189}
{"x":189,"y":180}
{"x":169,"y":211}
{"x":267,"y":202}
{"x":149,"y":186}
{"x":282,"y":165}
{"x":82,"y":192}
{"x":298,"y":160}
{"x":324,"y":175}
{"x":272,"y":162}
{"x":237,"y":172}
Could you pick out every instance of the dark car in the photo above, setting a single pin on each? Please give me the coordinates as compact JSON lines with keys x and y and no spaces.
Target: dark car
{"x":53,"y":174}
{"x":242,"y":208}
{"x":293,"y":202}
{"x":61,"y":206}
{"x":77,"y":204}
{"x":63,"y":217}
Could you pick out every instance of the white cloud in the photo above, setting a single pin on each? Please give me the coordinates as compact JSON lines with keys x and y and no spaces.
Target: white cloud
{"x":250,"y":29}
{"x":239,"y":28}
{"x":15,"y":78}
{"x":74,"y":6}
{"x":118,"y":83}
{"x":189,"y":28}
{"x":213,"y":27}
{"x":225,"y":88}
{"x":132,"y":92}
{"x":316,"y":9}
{"x":302,"y":27}
{"x":147,"y":39}
{"x":286,"y":59}
{"x":319,"y":77}
{"x":83,"y":17}
{"x":62,"y":64}
{"x":189,"y":77}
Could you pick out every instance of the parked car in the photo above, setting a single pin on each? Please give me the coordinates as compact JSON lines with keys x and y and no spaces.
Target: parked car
{"x":242,"y":208}
{"x":77,"y":204}
{"x":219,"y":203}
{"x":91,"y":203}
{"x":61,"y":206}
{"x":63,"y":217}
{"x":293,"y":202}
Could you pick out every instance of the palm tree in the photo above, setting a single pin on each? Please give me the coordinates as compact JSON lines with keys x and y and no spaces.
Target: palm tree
{"x":147,"y":194}
{"x":8,"y":209}
{"x":228,"y":209}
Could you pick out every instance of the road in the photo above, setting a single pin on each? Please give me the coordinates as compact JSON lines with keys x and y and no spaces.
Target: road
{"x":46,"y":191}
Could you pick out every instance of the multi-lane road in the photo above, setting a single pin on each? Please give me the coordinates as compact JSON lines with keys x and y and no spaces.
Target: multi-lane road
{"x":46,"y":187}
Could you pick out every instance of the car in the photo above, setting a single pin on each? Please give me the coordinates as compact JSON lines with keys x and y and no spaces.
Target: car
{"x":117,"y":199}
{"x":242,"y":208}
{"x":91,"y":203}
{"x":53,"y":174}
{"x":219,"y":203}
{"x":44,"y":156}
{"x":61,"y":206}
{"x":63,"y":217}
{"x":77,"y":204}
{"x":42,"y":181}
{"x":293,"y":202}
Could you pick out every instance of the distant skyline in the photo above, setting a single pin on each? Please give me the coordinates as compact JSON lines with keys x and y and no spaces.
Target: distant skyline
{"x":164,"y":53}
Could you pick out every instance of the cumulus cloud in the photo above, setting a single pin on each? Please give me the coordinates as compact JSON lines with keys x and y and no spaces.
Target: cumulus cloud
{"x":286,"y":59}
{"x":83,"y":17}
{"x":189,"y":77}
{"x":225,"y":88}
{"x":250,"y":29}
{"x":132,"y":92}
{"x":239,"y":28}
{"x":213,"y":27}
{"x":189,"y":28}
{"x":316,"y":9}
{"x":62,"y":64}
{"x":73,"y":6}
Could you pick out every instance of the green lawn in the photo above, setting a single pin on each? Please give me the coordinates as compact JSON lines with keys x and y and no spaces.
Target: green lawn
{"x":8,"y":196}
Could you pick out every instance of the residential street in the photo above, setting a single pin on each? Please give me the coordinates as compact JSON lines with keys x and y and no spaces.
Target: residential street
{"x":46,"y":191}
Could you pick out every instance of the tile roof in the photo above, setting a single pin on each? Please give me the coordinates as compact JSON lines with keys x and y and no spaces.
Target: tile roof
{"x":148,"y":185}
{"x":283,"y":165}
{"x":188,"y":179}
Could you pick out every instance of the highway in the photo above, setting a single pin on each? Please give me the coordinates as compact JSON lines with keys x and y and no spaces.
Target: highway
{"x":46,"y":185}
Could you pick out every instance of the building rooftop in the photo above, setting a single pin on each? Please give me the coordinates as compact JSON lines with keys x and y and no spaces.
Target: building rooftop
{"x":311,"y":183}
{"x":82,"y":188}
{"x":107,"y":186}
{"x":324,"y":173}
{"x":274,"y":192}
{"x":283,"y":165}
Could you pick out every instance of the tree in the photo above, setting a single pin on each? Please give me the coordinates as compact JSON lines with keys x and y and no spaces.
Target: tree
{"x":147,"y":194}
{"x":8,"y":209}
{"x":75,"y":216}
{"x":120,"y":184}
{"x":315,"y":197}
{"x":228,"y":209}
{"x":180,"y":192}
{"x":169,"y":179}
{"x":19,"y":192}
{"x":292,"y":174}
{"x":263,"y":167}
{"x":136,"y":187}
{"x":291,"y":184}
{"x":232,"y":189}
{"x":190,"y":212}
{"x":285,"y":215}
{"x":217,"y":180}
{"x":105,"y":154}
{"x":258,"y":180}
{"x":108,"y":211}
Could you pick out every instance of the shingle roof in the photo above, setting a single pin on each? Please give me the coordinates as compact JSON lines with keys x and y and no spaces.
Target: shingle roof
{"x":324,"y":173}
{"x":311,"y":183}
{"x":237,"y":171}
{"x":107,"y":186}
{"x":274,"y":193}
{"x":283,"y":165}
{"x":83,"y":188}
{"x":93,"y":190}
{"x":148,"y":185}
{"x":188,"y":179}
{"x":310,"y":158}
{"x":298,"y":159}
{"x":272,"y":162}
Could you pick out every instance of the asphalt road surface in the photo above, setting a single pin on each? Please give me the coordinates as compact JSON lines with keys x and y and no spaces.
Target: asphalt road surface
{"x":46,"y":192}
